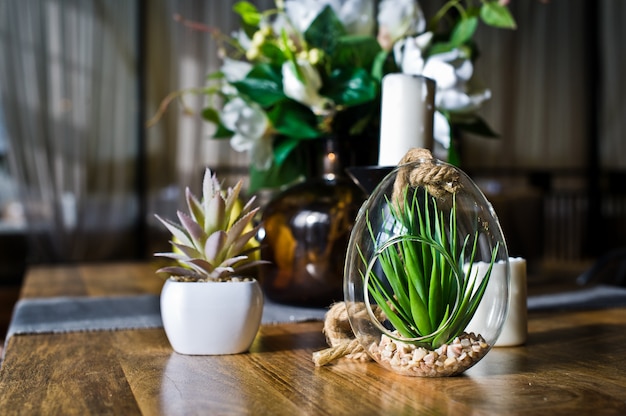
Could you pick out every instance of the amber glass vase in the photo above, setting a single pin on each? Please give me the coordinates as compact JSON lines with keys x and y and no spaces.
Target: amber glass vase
{"x":305,"y":234}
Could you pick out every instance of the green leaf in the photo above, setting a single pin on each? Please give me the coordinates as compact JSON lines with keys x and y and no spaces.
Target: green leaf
{"x":454,"y":158}
{"x":248,"y":12}
{"x":356,"y":52}
{"x":273,"y":53}
{"x":440,"y":47}
{"x":350,"y":87}
{"x":464,"y":31}
{"x":294,"y":120}
{"x":276,"y":176}
{"x":211,"y":115}
{"x":497,"y":15}
{"x":263,"y":84}
{"x":419,"y":312}
{"x":215,"y":75}
{"x":284,"y":147}
{"x":325,"y":30}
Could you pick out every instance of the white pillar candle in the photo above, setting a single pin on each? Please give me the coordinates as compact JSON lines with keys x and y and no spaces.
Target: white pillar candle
{"x":406,"y":119}
{"x":515,"y":329}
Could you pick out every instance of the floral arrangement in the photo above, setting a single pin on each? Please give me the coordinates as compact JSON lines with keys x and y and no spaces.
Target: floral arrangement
{"x":311,"y":68}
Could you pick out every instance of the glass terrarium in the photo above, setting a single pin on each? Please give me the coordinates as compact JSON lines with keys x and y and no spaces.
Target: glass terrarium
{"x":421,"y":290}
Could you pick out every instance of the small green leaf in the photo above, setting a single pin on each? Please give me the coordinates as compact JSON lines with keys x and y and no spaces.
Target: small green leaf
{"x":215,"y":75}
{"x":454,"y":158}
{"x":325,"y":30}
{"x":211,"y":115}
{"x":293,"y":120}
{"x":248,"y":12}
{"x":279,"y":174}
{"x":464,"y":31}
{"x":497,"y":15}
{"x":350,"y":87}
{"x":356,"y":52}
{"x":284,"y":147}
{"x":273,"y":53}
{"x":263,"y":85}
{"x":440,"y":47}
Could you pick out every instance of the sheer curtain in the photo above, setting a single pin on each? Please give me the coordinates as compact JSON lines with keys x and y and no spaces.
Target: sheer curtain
{"x":68,"y":82}
{"x":612,"y":84}
{"x":91,"y":175}
{"x":538,"y":77}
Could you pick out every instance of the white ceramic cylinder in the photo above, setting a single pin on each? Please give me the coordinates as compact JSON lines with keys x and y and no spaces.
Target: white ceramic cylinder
{"x":515,"y":329}
{"x":407,"y":108}
{"x":211,"y":318}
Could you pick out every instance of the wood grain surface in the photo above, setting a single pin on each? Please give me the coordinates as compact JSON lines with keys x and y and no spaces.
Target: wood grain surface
{"x":573,"y":363}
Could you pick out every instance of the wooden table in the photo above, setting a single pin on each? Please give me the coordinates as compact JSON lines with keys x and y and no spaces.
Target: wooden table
{"x":573,"y":363}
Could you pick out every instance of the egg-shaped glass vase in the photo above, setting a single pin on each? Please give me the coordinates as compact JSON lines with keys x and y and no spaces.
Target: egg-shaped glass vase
{"x":422,"y":295}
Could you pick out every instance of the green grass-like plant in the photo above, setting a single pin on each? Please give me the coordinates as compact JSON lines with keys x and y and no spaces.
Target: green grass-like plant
{"x":424,"y":290}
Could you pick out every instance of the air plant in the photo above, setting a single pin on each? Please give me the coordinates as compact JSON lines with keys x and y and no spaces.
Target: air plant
{"x":422,"y":278}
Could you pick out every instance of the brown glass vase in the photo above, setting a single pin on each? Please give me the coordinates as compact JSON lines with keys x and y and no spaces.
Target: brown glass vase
{"x":305,"y":235}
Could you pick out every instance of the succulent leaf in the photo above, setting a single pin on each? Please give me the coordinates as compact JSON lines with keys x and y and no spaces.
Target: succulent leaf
{"x":240,"y":243}
{"x":239,"y":226}
{"x":202,"y":264}
{"x":248,"y":206}
{"x":188,"y":251}
{"x":177,"y":271}
{"x":210,"y":187}
{"x":221,"y":271}
{"x":177,"y":231}
{"x":173,"y":256}
{"x":232,"y":197}
{"x":233,"y":260}
{"x":195,"y":232}
{"x":215,"y":245}
{"x":215,"y":214}
{"x":195,"y":207}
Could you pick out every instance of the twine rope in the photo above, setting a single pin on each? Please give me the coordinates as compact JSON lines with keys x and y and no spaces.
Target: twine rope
{"x":340,"y":337}
{"x":439,"y":180}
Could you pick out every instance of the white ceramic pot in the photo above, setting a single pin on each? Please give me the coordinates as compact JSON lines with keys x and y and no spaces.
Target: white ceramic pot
{"x":211,"y":318}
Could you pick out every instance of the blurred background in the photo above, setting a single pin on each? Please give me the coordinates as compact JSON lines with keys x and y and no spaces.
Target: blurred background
{"x":81,"y":176}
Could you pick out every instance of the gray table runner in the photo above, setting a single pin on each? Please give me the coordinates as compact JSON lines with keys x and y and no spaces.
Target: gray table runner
{"x":593,"y":297}
{"x":70,"y":314}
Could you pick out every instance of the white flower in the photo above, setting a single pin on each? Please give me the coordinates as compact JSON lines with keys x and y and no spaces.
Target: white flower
{"x":441,"y":129}
{"x":453,"y":72}
{"x":249,"y":124}
{"x":397,"y":19}
{"x":242,"y":37}
{"x":235,"y":70}
{"x":305,"y":91}
{"x":408,"y":53}
{"x":356,"y":15}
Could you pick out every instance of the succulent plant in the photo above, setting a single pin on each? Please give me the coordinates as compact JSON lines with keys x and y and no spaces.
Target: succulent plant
{"x":215,"y":241}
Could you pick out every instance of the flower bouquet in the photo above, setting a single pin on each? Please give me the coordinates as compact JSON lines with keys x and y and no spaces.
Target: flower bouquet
{"x":308,"y":69}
